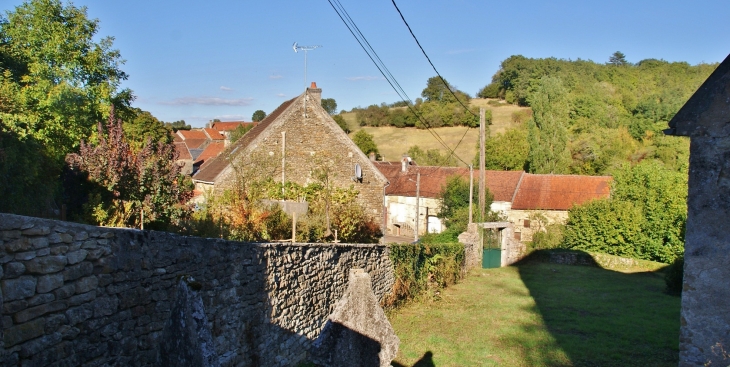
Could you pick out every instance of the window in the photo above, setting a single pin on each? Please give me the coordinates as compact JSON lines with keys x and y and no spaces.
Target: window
{"x":527,"y":223}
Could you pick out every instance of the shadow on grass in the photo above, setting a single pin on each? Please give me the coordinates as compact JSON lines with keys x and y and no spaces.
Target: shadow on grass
{"x":601,"y":317}
{"x":425,"y":361}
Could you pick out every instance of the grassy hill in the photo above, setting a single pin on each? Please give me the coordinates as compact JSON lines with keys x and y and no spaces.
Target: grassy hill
{"x":393,"y":142}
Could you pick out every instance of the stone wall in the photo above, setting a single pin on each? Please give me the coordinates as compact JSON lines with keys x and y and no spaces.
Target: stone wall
{"x":83,"y":295}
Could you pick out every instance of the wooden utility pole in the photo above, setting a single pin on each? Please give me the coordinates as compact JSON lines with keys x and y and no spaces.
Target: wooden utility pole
{"x":482,"y":173}
{"x":418,"y":204}
{"x":471,"y":192}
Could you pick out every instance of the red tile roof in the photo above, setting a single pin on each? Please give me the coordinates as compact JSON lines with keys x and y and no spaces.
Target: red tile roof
{"x":195,"y":143}
{"x":211,"y":151}
{"x":192,"y":134}
{"x":559,"y":192}
{"x":213,"y":134}
{"x":229,"y":125}
{"x":502,"y":184}
{"x":182,"y":151}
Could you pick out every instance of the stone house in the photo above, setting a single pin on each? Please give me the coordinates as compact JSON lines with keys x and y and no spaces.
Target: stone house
{"x":528,"y":201}
{"x":293,"y":143}
{"x":704,"y":336}
{"x":196,"y":146}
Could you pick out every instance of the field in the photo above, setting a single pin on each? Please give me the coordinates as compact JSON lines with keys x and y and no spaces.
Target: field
{"x":394,"y":142}
{"x":540,"y":314}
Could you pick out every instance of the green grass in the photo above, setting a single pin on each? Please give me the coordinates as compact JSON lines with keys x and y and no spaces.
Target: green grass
{"x":539,"y":314}
{"x":393,"y":142}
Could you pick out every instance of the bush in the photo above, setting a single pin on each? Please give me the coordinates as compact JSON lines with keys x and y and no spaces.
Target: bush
{"x":423,"y":269}
{"x":674,"y":276}
{"x":551,"y":238}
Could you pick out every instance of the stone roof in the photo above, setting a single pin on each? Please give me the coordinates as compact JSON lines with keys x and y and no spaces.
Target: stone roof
{"x":559,"y":192}
{"x":707,"y":112}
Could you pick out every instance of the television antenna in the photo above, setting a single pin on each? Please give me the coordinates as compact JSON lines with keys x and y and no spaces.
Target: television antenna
{"x":296,"y":48}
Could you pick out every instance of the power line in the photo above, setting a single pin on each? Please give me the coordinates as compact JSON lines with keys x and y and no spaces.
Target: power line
{"x":362,"y":40}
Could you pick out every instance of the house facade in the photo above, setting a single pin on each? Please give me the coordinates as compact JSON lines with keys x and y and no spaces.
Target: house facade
{"x":301,"y":143}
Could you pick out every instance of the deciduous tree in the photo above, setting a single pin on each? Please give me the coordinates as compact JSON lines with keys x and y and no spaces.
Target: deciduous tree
{"x":547,"y":130}
{"x":258,"y":115}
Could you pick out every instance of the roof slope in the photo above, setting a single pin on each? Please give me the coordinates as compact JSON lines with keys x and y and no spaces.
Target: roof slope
{"x":192,"y":134}
{"x":559,"y":192}
{"x":502,"y":184}
{"x":707,"y":111}
{"x":214,"y":167}
{"x":229,"y":125}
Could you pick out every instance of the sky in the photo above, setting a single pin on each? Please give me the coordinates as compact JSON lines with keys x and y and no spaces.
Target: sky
{"x":224,"y":59}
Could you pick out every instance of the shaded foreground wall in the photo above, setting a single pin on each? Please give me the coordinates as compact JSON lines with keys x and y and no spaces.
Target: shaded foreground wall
{"x":75,"y":294}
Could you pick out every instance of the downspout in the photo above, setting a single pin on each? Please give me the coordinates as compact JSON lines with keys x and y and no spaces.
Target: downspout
{"x":385,"y":210}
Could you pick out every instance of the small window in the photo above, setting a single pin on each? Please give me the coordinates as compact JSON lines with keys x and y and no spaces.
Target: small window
{"x":527,"y":223}
{"x":518,"y":236}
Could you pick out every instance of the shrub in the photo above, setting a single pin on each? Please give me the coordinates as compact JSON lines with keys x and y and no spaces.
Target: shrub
{"x":674,"y":276}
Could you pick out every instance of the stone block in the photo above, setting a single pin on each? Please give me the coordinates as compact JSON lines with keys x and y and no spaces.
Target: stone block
{"x":76,"y":257}
{"x":60,"y":238}
{"x":11,"y":234}
{"x":81,"y":236}
{"x":39,"y":242}
{"x":46,"y":264}
{"x":17,"y":245}
{"x":14,"y":269}
{"x":40,"y":299}
{"x":59,"y":250}
{"x":80,"y":299}
{"x":54,"y":322}
{"x":89,"y":244}
{"x":36,"y":346}
{"x":14,"y":306}
{"x":19,"y":288}
{"x":23,"y":332}
{"x":66,"y":291}
{"x":47,"y":283}
{"x":25,"y":256}
{"x":105,"y":306}
{"x":36,"y":231}
{"x":77,"y":271}
{"x":87,"y":284}
{"x":79,"y":314}
{"x":34,"y":312}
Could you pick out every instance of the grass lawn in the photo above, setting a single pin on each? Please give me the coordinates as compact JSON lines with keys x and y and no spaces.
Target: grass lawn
{"x":540,"y":314}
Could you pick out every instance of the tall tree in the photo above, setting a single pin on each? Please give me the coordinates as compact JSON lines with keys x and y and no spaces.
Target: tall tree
{"x":56,"y":80}
{"x":142,"y":126}
{"x":439,"y":90}
{"x":258,"y":115}
{"x":365,"y":142}
{"x":329,"y":105}
{"x":618,"y":58}
{"x":547,"y":130}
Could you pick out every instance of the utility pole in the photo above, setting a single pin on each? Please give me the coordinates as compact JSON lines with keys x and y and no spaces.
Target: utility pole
{"x":471,"y":192}
{"x":283,"y":161}
{"x":482,"y":173}
{"x":418,"y":204}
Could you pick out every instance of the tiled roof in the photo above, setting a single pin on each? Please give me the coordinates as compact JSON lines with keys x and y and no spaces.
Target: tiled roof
{"x":213,"y":134}
{"x":559,"y":192}
{"x":502,"y":184}
{"x":196,"y":143}
{"x":229,"y":125}
{"x":214,"y":167}
{"x":182,"y":151}
{"x":192,"y":134}
{"x":211,"y":151}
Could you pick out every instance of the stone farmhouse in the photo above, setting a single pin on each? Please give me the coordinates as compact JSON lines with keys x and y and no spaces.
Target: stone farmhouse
{"x":294,"y":143}
{"x":528,"y":201}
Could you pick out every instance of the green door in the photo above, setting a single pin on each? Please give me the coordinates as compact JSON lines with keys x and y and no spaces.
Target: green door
{"x":491,"y":258}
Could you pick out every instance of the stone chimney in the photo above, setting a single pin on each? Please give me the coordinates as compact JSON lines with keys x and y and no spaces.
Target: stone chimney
{"x":315,"y":93}
{"x":372,"y":156}
{"x":404,"y":162}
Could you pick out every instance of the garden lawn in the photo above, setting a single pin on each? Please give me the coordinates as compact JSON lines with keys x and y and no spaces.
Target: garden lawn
{"x":540,"y":314}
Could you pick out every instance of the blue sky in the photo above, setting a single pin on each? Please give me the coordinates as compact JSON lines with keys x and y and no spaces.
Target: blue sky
{"x":197,"y":61}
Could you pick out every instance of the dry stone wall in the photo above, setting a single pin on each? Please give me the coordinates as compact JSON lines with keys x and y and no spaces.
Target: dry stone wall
{"x":82,"y":295}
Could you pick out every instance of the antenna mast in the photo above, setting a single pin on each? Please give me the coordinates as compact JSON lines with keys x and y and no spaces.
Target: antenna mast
{"x":305,"y":49}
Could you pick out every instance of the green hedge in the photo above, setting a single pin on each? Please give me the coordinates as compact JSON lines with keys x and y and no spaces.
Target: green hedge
{"x":421,"y":269}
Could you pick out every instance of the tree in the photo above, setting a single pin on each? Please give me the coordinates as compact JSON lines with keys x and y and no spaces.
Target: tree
{"x":329,"y":105}
{"x":143,"y":127}
{"x":56,"y":81}
{"x":439,"y":90}
{"x":341,"y":123}
{"x":178,"y":125}
{"x":506,"y":151}
{"x":258,"y":115}
{"x":454,"y":207}
{"x":240,"y":131}
{"x":431,"y":157}
{"x":365,"y":142}
{"x":618,"y":58}
{"x":128,"y":183}
{"x":547,"y":130}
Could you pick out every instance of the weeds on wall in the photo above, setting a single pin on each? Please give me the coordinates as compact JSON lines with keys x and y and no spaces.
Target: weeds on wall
{"x":421,"y":270}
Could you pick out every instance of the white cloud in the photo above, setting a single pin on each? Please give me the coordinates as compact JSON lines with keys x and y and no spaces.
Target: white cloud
{"x":463,"y":51}
{"x":358,"y":78}
{"x":275,"y":76}
{"x":227,"y":89}
{"x":208,"y":101}
{"x":282,"y":95}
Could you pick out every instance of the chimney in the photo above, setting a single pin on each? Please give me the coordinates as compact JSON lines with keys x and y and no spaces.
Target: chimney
{"x":315,"y":93}
{"x":404,"y":163}
{"x":372,"y":156}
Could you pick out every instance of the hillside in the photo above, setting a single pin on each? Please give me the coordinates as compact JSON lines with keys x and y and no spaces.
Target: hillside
{"x":393,"y":142}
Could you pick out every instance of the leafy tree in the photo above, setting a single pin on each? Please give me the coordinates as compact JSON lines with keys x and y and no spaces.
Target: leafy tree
{"x":240,"y":131}
{"x":178,"y":125}
{"x":454,"y":207}
{"x":130,"y":183}
{"x":547,"y":130}
{"x":56,"y":81}
{"x":365,"y":142}
{"x":506,"y":151}
{"x":341,"y":123}
{"x":618,"y":58}
{"x":258,"y":115}
{"x":143,"y":127}
{"x":439,"y":90}
{"x":431,"y":157}
{"x":329,"y":105}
